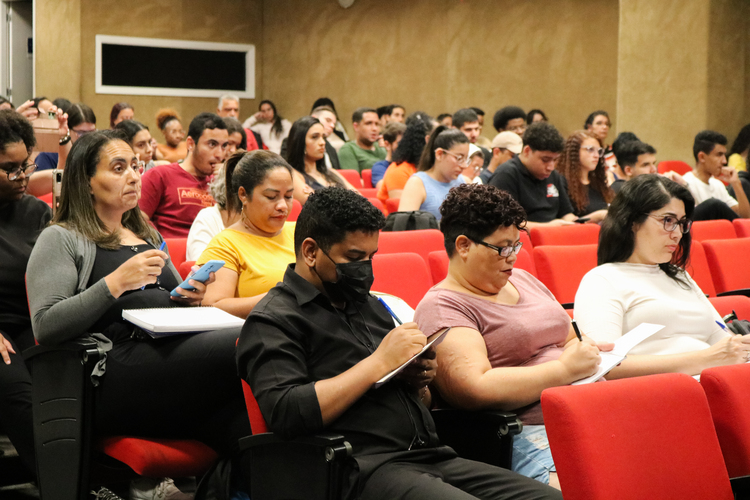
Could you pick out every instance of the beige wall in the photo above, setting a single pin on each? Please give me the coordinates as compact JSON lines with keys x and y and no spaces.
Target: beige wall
{"x":440,"y":55}
{"x":58,"y":48}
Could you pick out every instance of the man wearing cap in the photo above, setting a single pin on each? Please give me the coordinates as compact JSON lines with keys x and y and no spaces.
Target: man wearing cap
{"x":505,"y":146}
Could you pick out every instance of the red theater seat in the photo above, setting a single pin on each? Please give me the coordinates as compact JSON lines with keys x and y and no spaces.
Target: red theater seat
{"x":351,"y":176}
{"x":725,"y":259}
{"x":742,"y":227}
{"x":367,"y":178}
{"x":580,"y":234}
{"x":420,"y":241}
{"x":404,"y":275}
{"x":561,"y":269}
{"x":674,"y":165}
{"x":698,"y":269}
{"x":296,"y":209}
{"x":703,"y":230}
{"x":177,"y":249}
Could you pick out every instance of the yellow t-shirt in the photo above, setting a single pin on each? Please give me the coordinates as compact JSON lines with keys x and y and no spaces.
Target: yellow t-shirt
{"x":259,"y":261}
{"x":737,"y":162}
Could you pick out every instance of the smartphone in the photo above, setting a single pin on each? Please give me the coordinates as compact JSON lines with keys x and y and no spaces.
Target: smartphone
{"x":57,"y":176}
{"x":200,"y":275}
{"x":582,"y":220}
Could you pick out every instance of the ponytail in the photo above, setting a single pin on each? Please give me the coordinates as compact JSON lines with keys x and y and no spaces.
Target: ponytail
{"x":442,"y":138}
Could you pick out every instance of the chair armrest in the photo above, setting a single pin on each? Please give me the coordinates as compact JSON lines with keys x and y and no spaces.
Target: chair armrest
{"x":741,"y":487}
{"x":483,"y":436}
{"x":741,"y":291}
{"x":305,"y":467}
{"x":86,"y":345}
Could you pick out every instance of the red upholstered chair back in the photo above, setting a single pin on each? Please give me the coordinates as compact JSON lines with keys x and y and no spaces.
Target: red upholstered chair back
{"x":367,"y":178}
{"x":368,"y":192}
{"x":404,"y":275}
{"x":177,"y":249}
{"x":379,"y":205}
{"x":185,"y":268}
{"x":737,"y":303}
{"x":525,"y":261}
{"x":561,"y":268}
{"x":580,"y":234}
{"x":674,"y":165}
{"x":526,"y":240}
{"x":703,"y":230}
{"x":296,"y":209}
{"x":726,"y":260}
{"x":439,"y":262}
{"x":635,"y":439}
{"x":699,"y":270}
{"x":420,"y":241}
{"x":742,"y":227}
{"x":46,"y":198}
{"x":391,"y":204}
{"x":727,"y":389}
{"x":257,"y":422}
{"x":351,"y":176}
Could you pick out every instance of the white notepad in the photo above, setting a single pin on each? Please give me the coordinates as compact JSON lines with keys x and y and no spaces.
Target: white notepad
{"x":623,"y":345}
{"x":433,"y":340}
{"x":175,"y":320}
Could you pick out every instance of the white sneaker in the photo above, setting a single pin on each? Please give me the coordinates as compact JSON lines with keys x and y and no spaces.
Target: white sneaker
{"x":146,"y":488}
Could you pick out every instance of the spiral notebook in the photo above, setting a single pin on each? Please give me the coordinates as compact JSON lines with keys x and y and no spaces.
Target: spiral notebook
{"x":175,"y":320}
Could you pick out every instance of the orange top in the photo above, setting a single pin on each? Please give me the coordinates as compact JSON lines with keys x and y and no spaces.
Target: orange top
{"x":172,"y":155}
{"x":395,"y":178}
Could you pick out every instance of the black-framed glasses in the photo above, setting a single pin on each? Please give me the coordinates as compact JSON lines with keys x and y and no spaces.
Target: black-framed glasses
{"x":504,"y":252}
{"x":670,"y":223}
{"x":16,"y":172}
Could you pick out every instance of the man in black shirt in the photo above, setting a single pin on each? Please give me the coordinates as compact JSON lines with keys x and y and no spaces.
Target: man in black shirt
{"x":531,"y":178}
{"x":313,"y":348}
{"x":635,"y":158}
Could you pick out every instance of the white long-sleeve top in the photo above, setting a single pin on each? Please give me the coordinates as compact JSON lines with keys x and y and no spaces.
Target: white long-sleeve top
{"x":615,"y":298}
{"x":207,"y":224}
{"x":271,"y":140}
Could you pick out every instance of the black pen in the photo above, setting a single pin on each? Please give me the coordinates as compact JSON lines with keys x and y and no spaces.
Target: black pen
{"x":578,"y":332}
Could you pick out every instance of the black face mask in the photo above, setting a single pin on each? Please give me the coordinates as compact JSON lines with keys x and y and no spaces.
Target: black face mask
{"x":353,"y":283}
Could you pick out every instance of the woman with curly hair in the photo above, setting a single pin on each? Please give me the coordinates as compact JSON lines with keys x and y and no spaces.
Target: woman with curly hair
{"x":170,"y":124}
{"x":510,"y":338}
{"x":582,"y":165}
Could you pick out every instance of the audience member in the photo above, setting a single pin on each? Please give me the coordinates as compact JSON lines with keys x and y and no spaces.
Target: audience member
{"x":229,"y":106}
{"x":511,"y":119}
{"x":535,"y":115}
{"x":62,"y":104}
{"x":445,"y":119}
{"x":306,"y":155}
{"x":339,"y":136}
{"x":22,"y":218}
{"x":44,"y":106}
{"x":99,"y":257}
{"x":77,"y":122}
{"x":138,"y":138}
{"x":510,"y":339}
{"x":598,"y":124}
{"x":314,"y":347}
{"x":172,"y":195}
{"x":738,"y":154}
{"x":170,"y":124}
{"x":363,"y":152}
{"x":327,"y":117}
{"x":634,"y":158}
{"x":405,"y":157}
{"x":5,"y":104}
{"x":481,"y":141}
{"x":259,"y":246}
{"x":505,"y":146}
{"x":644,"y":247}
{"x":236,"y":135}
{"x":531,"y":179}
{"x":384,"y":115}
{"x":582,"y":165}
{"x":444,"y":157}
{"x":705,"y":181}
{"x":470,"y":173}
{"x":622,"y":139}
{"x":272,"y":128}
{"x":392,"y":134}
{"x":398,"y":113}
{"x":120,"y":112}
{"x":467,"y":121}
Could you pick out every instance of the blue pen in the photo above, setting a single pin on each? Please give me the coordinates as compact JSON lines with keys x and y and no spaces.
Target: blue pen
{"x":161,"y":248}
{"x":722,"y":325}
{"x":390,"y":311}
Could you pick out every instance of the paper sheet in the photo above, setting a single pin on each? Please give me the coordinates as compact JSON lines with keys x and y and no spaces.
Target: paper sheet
{"x":433,"y":341}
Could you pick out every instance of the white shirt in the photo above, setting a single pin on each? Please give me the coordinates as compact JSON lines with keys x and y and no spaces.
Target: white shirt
{"x":206,"y":225}
{"x":615,"y":298}
{"x":714,"y":189}
{"x":271,"y":140}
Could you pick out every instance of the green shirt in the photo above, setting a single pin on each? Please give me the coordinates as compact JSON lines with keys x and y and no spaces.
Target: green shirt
{"x":353,"y":157}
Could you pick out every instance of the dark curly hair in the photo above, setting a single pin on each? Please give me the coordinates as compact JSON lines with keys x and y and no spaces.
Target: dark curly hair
{"x":423,"y":118}
{"x":166,"y":115}
{"x":14,"y":127}
{"x":330,"y":213}
{"x":412,"y":143}
{"x":476,"y":211}
{"x":543,"y":136}
{"x":632,"y":205}
{"x":503,"y":116}
{"x":569,"y":165}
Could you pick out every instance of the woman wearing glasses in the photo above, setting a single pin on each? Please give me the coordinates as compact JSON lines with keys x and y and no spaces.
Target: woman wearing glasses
{"x":439,"y":170}
{"x":510,"y":338}
{"x":582,"y":165}
{"x":644,"y":246}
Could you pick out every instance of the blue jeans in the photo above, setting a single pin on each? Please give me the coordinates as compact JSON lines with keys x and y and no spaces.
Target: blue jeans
{"x":531,"y":454}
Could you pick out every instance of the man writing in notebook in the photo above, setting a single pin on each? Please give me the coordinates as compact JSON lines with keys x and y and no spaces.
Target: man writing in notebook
{"x":313,"y":348}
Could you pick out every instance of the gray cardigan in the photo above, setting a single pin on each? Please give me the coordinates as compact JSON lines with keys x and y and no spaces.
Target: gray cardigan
{"x":61,"y":306}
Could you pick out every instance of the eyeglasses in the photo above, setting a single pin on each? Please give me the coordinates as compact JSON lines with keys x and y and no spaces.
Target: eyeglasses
{"x":81,"y":133}
{"x":504,"y":252}
{"x":671,"y":223}
{"x":16,"y":172}
{"x":593,"y":149}
{"x":461,"y":159}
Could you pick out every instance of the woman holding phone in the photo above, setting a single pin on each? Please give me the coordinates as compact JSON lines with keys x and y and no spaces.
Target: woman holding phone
{"x":100,"y":256}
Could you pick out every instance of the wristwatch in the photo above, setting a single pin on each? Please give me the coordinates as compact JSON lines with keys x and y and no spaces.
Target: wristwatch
{"x":65,"y":139}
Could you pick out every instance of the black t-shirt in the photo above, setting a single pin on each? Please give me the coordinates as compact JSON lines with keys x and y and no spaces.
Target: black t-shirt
{"x":20,"y":224}
{"x":111,"y":323}
{"x":617,"y":185}
{"x":596,"y":202}
{"x":544,"y":200}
